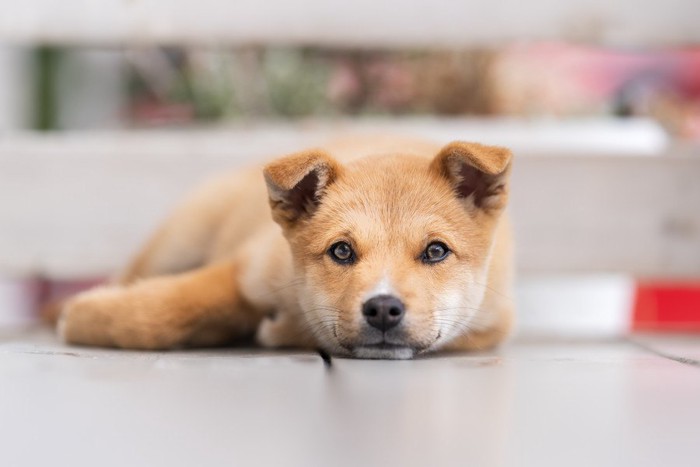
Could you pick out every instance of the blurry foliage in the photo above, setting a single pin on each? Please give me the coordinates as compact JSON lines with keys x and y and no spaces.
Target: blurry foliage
{"x":296,"y":82}
{"x":175,"y":85}
{"x":301,"y":82}
{"x":46,"y":60}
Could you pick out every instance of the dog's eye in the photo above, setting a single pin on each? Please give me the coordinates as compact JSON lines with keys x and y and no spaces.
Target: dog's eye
{"x":342,"y":253}
{"x":435,"y":252}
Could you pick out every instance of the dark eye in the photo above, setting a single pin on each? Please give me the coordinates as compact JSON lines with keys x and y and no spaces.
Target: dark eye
{"x":342,"y":253}
{"x":435,"y":252}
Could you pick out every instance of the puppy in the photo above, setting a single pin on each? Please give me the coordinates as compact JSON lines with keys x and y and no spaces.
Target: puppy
{"x":369,"y":248}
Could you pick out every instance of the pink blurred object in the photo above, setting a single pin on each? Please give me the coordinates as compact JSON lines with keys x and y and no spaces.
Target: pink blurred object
{"x":18,"y":300}
{"x":564,"y":79}
{"x":21,"y":300}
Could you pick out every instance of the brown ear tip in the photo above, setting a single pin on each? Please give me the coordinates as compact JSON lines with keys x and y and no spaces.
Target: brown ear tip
{"x":465,"y":146}
{"x":286,"y":171}
{"x":490,"y":159}
{"x":506,"y":156}
{"x":271,"y":169}
{"x":274,"y":174}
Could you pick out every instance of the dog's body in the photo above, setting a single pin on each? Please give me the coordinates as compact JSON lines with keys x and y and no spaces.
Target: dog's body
{"x":401,"y":249}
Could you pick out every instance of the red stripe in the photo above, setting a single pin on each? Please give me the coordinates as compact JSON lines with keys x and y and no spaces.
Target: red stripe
{"x":667,"y":307}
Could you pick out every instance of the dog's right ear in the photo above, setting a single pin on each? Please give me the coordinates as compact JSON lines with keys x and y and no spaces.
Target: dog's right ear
{"x":296,"y":184}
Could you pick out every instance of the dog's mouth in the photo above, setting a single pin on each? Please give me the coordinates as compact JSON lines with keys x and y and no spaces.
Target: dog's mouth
{"x":379,"y":350}
{"x":385,"y":346}
{"x":383,"y":349}
{"x":386,"y":350}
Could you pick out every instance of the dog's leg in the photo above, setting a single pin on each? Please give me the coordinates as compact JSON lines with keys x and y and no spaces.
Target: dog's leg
{"x":169,"y":251}
{"x":203,"y":307}
{"x":186,"y":240}
{"x":180,"y":244}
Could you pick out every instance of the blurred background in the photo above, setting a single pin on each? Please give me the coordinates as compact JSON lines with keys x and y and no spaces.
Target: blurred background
{"x":110,"y":111}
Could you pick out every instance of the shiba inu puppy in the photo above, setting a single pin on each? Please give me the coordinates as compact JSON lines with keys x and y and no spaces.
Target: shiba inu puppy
{"x":370,"y":248}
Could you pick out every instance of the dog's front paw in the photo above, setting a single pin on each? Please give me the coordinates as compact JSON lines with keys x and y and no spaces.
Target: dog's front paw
{"x":283,"y":330}
{"x":119,"y":317}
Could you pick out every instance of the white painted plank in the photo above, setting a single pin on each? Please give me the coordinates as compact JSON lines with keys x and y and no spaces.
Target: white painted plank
{"x":612,"y":214}
{"x":373,"y":23}
{"x":589,"y":306}
{"x":78,"y":204}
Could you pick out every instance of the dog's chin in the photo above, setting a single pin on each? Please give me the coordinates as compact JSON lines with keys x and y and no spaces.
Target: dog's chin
{"x":383,"y":352}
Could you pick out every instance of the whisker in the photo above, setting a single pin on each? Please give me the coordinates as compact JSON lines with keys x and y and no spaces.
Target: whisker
{"x":497,"y":292}
{"x":292,"y":283}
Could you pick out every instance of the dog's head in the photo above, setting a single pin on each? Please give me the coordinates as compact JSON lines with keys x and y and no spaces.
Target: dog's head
{"x":392,"y":251}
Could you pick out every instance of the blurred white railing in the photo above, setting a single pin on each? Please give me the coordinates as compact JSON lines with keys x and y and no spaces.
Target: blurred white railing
{"x":77,"y":204}
{"x":364,"y":23}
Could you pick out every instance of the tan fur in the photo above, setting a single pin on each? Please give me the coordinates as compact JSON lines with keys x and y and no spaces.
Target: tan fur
{"x":248,"y":253}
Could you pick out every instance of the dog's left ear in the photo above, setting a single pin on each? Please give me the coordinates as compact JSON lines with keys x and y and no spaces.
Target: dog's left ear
{"x":296,"y":184}
{"x":478,"y":173}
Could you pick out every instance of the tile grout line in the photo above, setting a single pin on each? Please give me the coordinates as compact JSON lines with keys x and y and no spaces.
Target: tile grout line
{"x":668,"y":356}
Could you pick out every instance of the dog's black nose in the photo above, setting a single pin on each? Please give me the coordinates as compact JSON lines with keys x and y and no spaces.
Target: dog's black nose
{"x":383,"y":311}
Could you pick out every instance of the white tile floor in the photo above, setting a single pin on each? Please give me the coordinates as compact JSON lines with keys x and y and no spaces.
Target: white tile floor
{"x":533,"y":403}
